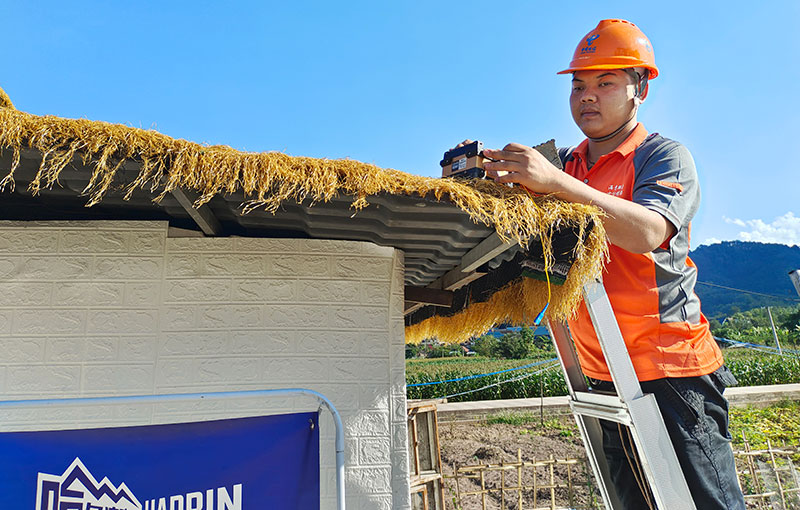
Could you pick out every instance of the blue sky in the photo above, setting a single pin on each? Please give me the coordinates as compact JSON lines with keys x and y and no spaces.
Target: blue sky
{"x":397,"y":84}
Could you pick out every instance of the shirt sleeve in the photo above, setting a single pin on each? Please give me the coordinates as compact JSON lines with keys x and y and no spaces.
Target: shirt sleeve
{"x":666,"y":182}
{"x":565,"y":154}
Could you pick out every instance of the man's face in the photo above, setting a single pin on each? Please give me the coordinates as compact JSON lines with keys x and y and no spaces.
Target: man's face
{"x":601,"y":101}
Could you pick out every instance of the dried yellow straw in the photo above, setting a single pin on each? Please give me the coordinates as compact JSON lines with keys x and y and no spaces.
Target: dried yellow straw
{"x":5,"y":101}
{"x":268,"y":179}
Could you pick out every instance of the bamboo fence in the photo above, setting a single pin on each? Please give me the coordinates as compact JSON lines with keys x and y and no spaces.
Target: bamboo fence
{"x":769,"y":478}
{"x":539,"y":484}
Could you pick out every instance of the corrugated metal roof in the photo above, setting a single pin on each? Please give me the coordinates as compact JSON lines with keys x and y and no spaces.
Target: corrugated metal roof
{"x":434,"y":235}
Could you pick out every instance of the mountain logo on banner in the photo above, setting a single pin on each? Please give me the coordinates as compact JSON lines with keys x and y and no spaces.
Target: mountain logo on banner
{"x":77,"y":489}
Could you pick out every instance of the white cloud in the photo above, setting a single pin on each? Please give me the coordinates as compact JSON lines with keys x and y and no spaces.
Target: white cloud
{"x":784,"y":229}
{"x":735,"y":221}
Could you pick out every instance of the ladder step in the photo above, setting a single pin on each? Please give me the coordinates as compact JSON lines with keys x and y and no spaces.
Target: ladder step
{"x":616,"y":413}
{"x":603,"y":399}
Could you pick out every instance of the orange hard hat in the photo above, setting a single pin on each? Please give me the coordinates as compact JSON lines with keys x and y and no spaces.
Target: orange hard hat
{"x":614,"y":44}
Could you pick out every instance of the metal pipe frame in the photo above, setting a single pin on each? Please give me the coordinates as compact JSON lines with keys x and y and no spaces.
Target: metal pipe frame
{"x":219,"y":395}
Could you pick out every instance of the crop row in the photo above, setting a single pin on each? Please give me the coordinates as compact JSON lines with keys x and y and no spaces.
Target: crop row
{"x":533,"y":382}
{"x":749,"y":367}
{"x":765,"y":369}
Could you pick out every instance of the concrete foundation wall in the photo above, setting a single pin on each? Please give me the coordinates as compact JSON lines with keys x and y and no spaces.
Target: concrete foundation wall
{"x":120,"y":308}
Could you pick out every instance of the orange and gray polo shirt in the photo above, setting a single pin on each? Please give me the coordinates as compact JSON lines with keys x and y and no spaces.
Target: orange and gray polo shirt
{"x":652,"y":294}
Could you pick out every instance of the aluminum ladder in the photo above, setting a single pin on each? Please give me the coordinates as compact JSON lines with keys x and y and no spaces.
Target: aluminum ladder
{"x":630,"y":407}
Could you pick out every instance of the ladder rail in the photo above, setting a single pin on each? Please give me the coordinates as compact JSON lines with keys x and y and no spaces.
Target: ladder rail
{"x":630,"y":407}
{"x":611,"y":342}
{"x":591,"y":433}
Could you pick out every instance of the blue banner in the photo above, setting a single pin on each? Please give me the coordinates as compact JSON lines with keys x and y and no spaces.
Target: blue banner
{"x":269,"y":462}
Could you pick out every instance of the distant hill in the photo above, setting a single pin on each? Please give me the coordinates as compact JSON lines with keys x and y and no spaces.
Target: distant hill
{"x":757,"y":267}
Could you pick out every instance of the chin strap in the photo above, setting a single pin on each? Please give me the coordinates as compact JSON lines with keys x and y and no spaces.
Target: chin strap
{"x":611,"y":134}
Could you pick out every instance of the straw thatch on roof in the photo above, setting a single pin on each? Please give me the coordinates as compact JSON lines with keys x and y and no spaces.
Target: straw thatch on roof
{"x":268,"y":179}
{"x":5,"y":101}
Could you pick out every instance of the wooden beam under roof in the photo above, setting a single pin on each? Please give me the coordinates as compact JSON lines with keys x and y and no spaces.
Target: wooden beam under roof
{"x":467,"y":270}
{"x":450,"y":281}
{"x":202,"y":215}
{"x":485,"y":251}
{"x":427,"y":296}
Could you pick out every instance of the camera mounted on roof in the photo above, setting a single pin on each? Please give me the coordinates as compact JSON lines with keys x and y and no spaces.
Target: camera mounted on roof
{"x":466,"y":162}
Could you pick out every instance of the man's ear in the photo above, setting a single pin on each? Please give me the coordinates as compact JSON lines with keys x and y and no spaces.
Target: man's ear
{"x":644,"y":93}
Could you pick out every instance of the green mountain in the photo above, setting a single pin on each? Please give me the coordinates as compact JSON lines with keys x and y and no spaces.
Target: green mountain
{"x":756,"y":267}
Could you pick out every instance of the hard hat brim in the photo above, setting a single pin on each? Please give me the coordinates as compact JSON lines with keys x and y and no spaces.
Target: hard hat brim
{"x":597,"y":67}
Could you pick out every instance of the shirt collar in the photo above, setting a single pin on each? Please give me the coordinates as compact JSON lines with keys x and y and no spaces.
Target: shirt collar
{"x":634,"y":140}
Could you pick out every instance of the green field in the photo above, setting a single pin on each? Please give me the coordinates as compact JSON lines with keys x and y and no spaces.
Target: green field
{"x":780,"y":423}
{"x":751,"y":368}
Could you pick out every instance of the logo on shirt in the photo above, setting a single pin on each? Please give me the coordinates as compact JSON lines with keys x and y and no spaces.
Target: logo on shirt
{"x":673,"y":185}
{"x":615,"y":189}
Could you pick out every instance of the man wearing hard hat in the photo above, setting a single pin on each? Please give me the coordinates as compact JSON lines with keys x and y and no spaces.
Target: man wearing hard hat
{"x":647,"y":186}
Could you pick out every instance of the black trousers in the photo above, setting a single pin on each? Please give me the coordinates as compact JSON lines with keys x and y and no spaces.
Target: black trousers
{"x":695,"y":413}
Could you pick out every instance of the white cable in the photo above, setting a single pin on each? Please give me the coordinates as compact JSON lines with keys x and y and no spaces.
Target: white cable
{"x":502,"y":382}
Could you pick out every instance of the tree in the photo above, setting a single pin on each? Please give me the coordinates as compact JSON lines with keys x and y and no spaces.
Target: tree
{"x":754,"y":326}
{"x":791,"y":322}
{"x":443,"y":351}
{"x":486,"y":346}
{"x":414,"y":350}
{"x":517,"y":345}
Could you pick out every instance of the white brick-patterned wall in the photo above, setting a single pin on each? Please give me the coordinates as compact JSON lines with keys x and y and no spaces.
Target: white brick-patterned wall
{"x":118,"y":308}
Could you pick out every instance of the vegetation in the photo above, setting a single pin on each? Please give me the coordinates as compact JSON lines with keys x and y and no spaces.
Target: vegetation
{"x":518,"y":350}
{"x":535,"y":423}
{"x":520,"y":344}
{"x":516,"y":345}
{"x":779,"y":423}
{"x":486,"y":346}
{"x":753,"y":326}
{"x":433,"y":350}
{"x":757,"y":267}
{"x":753,"y":368}
{"x":549,"y":382}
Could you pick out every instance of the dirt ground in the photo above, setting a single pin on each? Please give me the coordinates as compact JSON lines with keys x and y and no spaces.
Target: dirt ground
{"x":465,"y":444}
{"x":474,"y":443}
